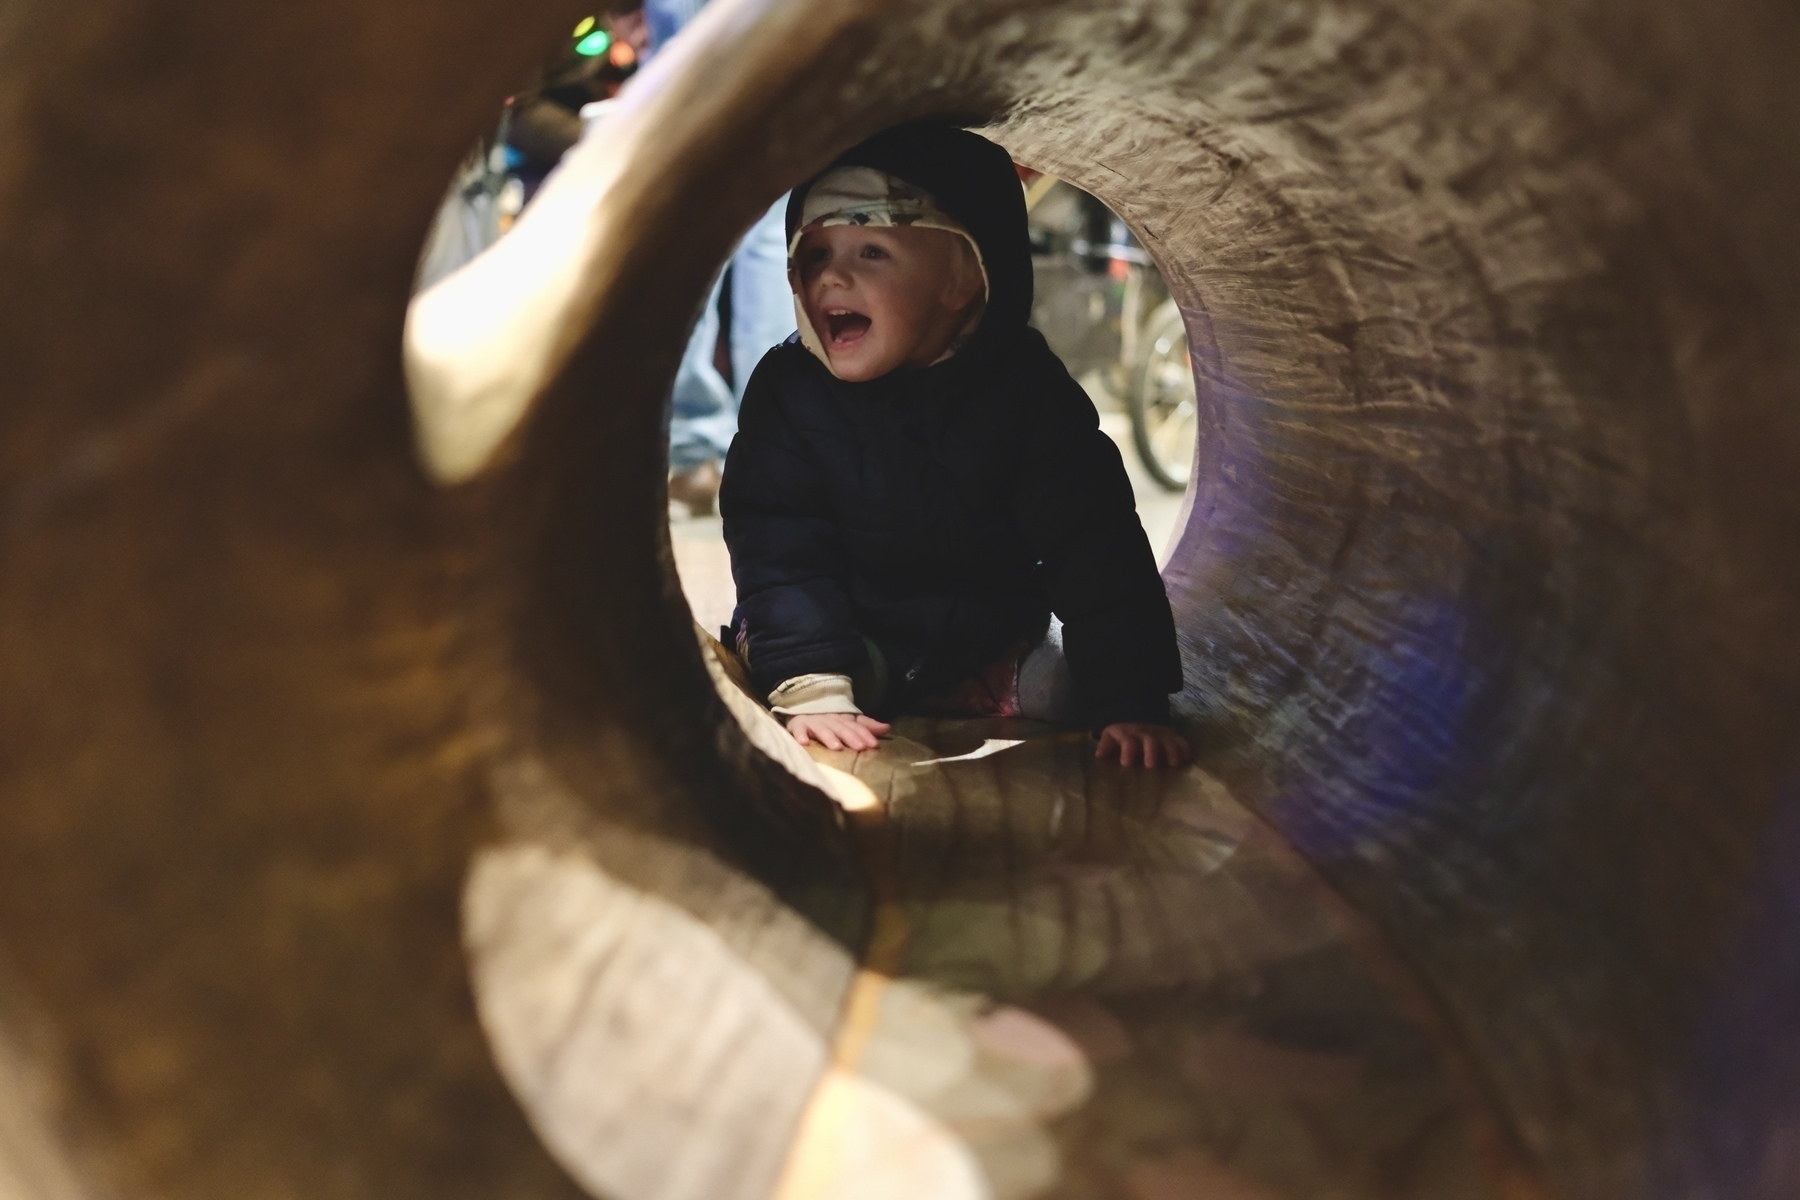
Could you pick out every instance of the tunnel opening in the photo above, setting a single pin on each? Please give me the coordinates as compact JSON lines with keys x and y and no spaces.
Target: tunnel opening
{"x":1100,"y":301}
{"x":1323,"y":419}
{"x":1486,"y":598}
{"x":1301,"y":1015}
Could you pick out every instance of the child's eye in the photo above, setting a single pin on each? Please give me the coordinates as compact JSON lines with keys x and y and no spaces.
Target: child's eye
{"x":874,"y":252}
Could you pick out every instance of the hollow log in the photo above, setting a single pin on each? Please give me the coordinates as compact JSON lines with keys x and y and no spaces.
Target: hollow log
{"x":374,"y":825}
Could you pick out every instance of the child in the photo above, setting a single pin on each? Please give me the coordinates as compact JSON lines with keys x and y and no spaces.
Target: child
{"x":918,"y":490}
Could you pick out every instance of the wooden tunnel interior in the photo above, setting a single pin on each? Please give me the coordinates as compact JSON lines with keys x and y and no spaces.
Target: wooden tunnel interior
{"x":372,"y":823}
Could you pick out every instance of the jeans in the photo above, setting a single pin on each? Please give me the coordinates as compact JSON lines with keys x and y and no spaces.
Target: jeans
{"x":704,"y":409}
{"x":666,"y":18}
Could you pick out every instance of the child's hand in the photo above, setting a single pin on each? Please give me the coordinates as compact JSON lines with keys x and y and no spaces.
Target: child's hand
{"x":1153,"y":745}
{"x":837,"y":731}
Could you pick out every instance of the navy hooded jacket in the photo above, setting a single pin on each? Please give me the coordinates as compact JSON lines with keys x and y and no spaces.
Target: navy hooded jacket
{"x":944,"y":512}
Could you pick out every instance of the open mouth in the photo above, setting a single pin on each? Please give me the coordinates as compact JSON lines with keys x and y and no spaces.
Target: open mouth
{"x":846,"y":327}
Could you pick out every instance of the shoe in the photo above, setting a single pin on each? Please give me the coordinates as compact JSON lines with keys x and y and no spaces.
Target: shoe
{"x":697,"y":490}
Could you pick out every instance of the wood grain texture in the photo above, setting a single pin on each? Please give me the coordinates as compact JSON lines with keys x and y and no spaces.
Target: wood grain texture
{"x":1487,"y":598}
{"x":1171,"y":1000}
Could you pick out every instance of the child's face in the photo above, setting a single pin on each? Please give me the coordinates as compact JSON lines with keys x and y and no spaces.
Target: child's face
{"x":881,"y":299}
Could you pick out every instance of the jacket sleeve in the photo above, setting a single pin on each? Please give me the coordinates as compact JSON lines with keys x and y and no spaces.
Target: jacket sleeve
{"x":1075,"y":505}
{"x":787,"y":555}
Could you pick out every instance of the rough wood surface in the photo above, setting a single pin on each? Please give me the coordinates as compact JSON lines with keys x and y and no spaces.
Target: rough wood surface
{"x":1488,"y":600}
{"x":1098,"y":982}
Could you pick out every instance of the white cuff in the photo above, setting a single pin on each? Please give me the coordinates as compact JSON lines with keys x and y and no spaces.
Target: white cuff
{"x":805,"y":695}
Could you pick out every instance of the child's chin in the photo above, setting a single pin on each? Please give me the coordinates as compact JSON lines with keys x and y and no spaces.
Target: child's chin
{"x":857,"y":368}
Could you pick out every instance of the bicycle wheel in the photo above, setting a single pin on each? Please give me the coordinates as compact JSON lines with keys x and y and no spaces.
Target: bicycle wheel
{"x":1161,"y":399}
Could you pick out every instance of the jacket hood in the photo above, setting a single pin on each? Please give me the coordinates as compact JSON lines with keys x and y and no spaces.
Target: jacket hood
{"x":973,"y":181}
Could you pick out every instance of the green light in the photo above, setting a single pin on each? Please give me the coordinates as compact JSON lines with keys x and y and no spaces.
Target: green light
{"x":594,"y":44}
{"x":586,"y":27}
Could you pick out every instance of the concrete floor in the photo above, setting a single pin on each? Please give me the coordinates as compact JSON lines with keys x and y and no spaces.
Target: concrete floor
{"x":705,"y":568}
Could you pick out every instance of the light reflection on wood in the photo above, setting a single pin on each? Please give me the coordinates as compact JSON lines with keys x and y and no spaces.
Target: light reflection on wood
{"x":1170,"y":1001}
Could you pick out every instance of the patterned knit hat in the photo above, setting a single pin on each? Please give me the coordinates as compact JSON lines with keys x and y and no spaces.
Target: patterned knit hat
{"x":868,"y":197}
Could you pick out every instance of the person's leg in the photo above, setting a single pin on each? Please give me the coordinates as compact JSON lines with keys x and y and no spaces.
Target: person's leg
{"x":762,"y":306}
{"x":703,"y":412}
{"x":666,"y":18}
{"x":703,"y":417}
{"x":1046,"y":689}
